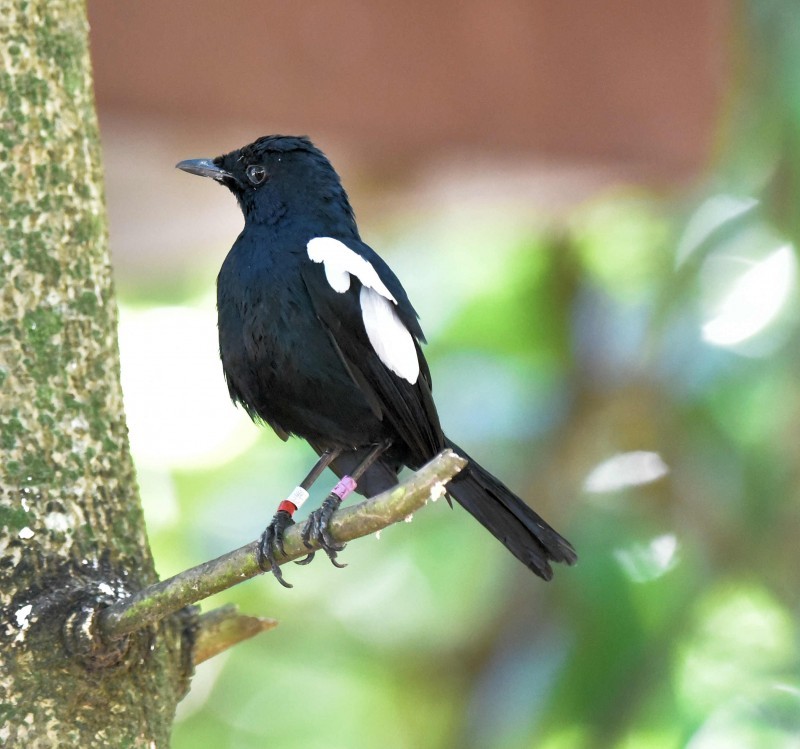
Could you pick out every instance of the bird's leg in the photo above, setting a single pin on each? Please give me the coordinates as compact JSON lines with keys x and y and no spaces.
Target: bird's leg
{"x":272,"y":537}
{"x":316,"y":527}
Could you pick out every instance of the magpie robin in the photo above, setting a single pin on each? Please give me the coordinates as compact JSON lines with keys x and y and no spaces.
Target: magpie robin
{"x":318,"y":339}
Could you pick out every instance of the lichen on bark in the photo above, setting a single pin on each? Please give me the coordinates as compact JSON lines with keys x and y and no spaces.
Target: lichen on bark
{"x":71,"y":527}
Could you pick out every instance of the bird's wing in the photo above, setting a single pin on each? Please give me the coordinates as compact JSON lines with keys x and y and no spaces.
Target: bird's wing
{"x":375,"y":331}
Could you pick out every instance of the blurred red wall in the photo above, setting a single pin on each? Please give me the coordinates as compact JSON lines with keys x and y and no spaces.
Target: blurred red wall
{"x":613,"y":80}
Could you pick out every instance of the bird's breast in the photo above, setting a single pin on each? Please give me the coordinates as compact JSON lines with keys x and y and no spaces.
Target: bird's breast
{"x":261,"y":320}
{"x":278,"y":360}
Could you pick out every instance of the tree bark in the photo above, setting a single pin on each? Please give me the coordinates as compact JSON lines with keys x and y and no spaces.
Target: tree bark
{"x":72,"y":529}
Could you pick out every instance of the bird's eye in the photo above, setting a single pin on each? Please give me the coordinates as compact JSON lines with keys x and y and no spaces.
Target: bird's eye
{"x":256,"y":174}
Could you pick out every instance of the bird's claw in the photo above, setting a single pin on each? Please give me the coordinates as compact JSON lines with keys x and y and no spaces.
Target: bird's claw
{"x":317,"y":528}
{"x":272,"y":539}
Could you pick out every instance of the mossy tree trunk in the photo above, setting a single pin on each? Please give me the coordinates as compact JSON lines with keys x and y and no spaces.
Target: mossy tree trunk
{"x":72,"y":531}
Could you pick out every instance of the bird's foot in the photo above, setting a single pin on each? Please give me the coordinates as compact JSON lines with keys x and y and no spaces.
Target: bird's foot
{"x":272,"y":540}
{"x":317,"y":527}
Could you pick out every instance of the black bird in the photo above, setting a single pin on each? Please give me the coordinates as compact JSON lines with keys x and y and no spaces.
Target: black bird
{"x":318,"y":339}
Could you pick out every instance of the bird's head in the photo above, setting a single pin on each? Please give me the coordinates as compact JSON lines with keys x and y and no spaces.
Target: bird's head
{"x":281,"y":179}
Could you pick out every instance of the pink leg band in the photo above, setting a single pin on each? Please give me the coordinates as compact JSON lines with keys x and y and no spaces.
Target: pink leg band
{"x":344,"y":487}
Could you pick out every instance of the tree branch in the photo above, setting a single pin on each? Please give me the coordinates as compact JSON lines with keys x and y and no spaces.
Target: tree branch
{"x":168,"y":596}
{"x":223,"y":628}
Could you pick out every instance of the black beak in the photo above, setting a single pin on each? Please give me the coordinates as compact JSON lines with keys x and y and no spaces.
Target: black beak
{"x":203,"y":168}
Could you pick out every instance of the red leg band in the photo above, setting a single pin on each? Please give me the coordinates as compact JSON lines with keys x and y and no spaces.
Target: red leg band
{"x":287,"y":506}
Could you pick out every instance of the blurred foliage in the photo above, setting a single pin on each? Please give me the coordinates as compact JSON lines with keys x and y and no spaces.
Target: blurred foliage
{"x":648,"y":342}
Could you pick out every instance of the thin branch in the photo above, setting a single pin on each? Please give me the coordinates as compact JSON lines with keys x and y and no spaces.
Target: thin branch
{"x":168,"y":596}
{"x":223,"y":628}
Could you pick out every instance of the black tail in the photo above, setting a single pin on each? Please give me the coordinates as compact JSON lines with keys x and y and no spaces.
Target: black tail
{"x":529,"y":538}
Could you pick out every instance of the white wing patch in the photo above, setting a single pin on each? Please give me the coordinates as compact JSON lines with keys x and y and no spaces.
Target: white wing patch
{"x":340,"y":262}
{"x":391,"y":340}
{"x":389,"y":337}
